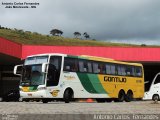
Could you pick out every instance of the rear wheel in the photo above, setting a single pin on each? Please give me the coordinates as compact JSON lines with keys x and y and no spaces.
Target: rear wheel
{"x":121,"y":96}
{"x":129,"y":96}
{"x":68,"y":95}
{"x":155,"y":97}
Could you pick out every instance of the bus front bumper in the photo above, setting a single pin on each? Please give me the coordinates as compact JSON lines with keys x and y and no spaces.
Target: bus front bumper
{"x":35,"y":94}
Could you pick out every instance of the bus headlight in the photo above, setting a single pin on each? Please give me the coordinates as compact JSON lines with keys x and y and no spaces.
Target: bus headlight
{"x":42,"y":88}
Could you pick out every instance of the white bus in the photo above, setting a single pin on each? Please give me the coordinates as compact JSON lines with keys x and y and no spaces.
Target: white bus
{"x":62,"y":76}
{"x":154,"y":90}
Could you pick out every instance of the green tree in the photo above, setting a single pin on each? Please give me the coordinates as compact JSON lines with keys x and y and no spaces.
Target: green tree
{"x":77,"y":34}
{"x":56,"y":32}
{"x":85,"y":34}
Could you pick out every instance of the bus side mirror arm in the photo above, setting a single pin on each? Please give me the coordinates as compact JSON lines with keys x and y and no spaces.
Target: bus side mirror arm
{"x":15,"y":70}
{"x":44,"y":67}
{"x":146,"y":82}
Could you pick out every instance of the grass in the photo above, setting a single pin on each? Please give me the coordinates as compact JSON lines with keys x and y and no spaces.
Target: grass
{"x":34,"y":38}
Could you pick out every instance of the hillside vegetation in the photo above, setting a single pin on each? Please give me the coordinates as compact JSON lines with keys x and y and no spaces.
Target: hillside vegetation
{"x":34,"y":38}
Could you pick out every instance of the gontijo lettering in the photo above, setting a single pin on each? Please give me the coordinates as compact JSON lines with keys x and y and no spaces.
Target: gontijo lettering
{"x":115,"y":79}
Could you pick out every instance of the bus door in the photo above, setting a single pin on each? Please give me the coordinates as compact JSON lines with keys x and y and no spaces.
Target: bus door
{"x":54,"y":70}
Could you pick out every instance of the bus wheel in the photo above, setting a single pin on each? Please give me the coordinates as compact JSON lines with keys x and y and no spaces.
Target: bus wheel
{"x":68,"y":94}
{"x":121,"y":96}
{"x":129,"y":96}
{"x":155,"y":97}
{"x":44,"y":101}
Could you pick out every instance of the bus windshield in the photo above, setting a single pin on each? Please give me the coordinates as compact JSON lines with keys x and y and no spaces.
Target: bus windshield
{"x":32,"y":75}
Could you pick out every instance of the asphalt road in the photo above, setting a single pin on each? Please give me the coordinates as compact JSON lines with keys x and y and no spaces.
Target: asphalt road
{"x":75,"y":108}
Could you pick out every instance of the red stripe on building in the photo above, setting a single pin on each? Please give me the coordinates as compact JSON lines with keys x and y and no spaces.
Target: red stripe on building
{"x":117,"y":53}
{"x":10,"y":48}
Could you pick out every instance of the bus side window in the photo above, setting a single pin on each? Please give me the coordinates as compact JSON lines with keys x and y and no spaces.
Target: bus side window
{"x":95,"y":68}
{"x":70,"y":64}
{"x":81,"y":66}
{"x":123,"y":70}
{"x":113,"y":69}
{"x":89,"y":65}
{"x":138,"y":71}
{"x":85,"y":66}
{"x":119,"y":70}
{"x":130,"y":71}
{"x":108,"y":69}
{"x":101,"y":67}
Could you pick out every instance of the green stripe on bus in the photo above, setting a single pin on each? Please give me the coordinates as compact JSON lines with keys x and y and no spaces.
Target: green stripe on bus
{"x":96,"y":83}
{"x":33,"y":88}
{"x":70,"y":56}
{"x":86,"y":83}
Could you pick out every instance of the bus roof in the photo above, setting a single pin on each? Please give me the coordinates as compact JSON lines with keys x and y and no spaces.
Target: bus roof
{"x":109,"y":60}
{"x":102,"y":59}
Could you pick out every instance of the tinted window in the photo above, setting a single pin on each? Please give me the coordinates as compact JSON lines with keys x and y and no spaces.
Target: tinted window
{"x":102,"y":69}
{"x":121,"y":70}
{"x":56,"y":61}
{"x":54,"y":71}
{"x":85,"y":66}
{"x":82,"y":66}
{"x":130,"y":71}
{"x":95,"y":68}
{"x":70,"y":64}
{"x":110,"y":69}
{"x":157,"y":80}
{"x":138,"y":71}
{"x":89,"y":65}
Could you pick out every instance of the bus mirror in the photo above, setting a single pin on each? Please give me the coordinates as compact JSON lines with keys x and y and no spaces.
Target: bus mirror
{"x":146,"y":82}
{"x":18,"y":70}
{"x":44,"y":66}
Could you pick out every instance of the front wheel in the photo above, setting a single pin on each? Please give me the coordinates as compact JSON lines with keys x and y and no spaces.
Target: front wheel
{"x":155,"y":97}
{"x":67,"y":96}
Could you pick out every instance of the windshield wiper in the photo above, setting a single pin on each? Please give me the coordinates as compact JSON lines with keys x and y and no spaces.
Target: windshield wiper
{"x":25,"y":83}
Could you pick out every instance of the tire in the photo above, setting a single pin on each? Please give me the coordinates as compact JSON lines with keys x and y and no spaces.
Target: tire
{"x":129,"y":96}
{"x":121,"y":96}
{"x":155,"y":97}
{"x":100,"y":100}
{"x":68,"y":94}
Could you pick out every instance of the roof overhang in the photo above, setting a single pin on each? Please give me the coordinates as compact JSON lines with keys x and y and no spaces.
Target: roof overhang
{"x":11,"y":51}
